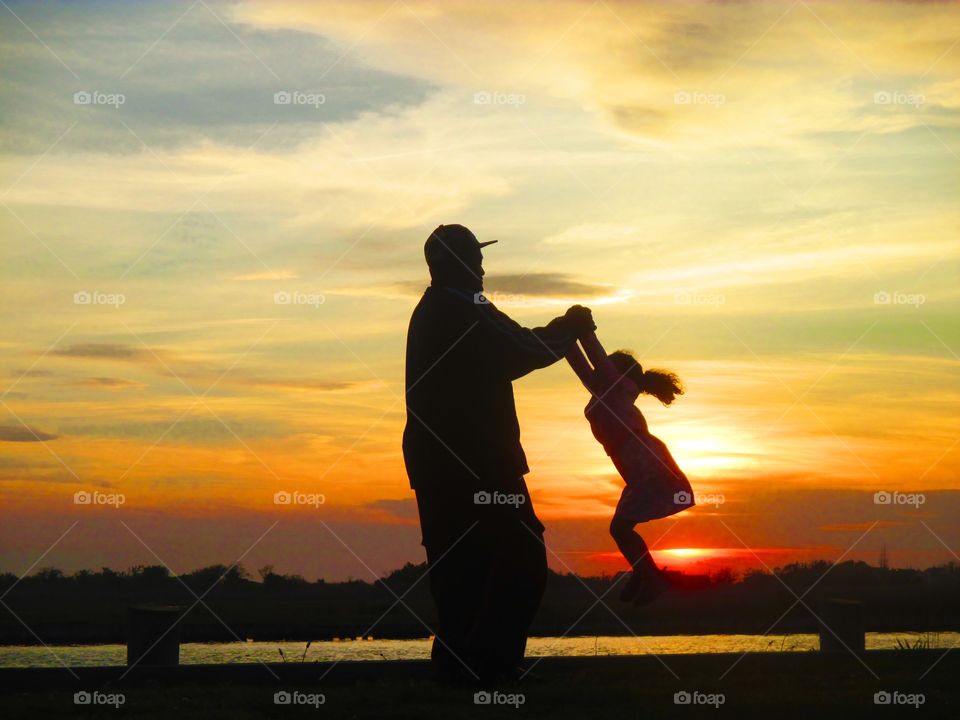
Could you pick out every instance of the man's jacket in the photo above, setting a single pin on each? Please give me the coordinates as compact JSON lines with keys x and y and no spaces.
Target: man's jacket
{"x":462,"y":356}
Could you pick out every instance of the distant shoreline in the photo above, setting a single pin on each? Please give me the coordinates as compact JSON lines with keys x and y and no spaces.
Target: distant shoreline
{"x":91,"y":609}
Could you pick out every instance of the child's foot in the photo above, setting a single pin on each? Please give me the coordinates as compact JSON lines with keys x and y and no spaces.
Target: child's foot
{"x":633,"y":586}
{"x":654,"y":584}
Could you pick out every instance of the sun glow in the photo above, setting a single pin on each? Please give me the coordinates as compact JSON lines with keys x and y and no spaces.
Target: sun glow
{"x":687,"y":552}
{"x":707,"y":456}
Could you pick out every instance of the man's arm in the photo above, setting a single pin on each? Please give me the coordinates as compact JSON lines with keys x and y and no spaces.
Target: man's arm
{"x":501,"y":346}
{"x":516,"y":350}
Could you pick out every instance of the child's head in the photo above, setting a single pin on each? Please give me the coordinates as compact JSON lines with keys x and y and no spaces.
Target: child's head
{"x":663,"y":385}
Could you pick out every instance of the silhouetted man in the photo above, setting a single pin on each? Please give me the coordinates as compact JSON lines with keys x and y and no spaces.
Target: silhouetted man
{"x":461,"y":446}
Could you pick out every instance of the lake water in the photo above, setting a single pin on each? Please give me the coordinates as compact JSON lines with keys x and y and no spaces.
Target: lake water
{"x":236,"y":652}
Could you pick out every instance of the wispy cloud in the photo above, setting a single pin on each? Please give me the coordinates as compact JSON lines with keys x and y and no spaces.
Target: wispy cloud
{"x":311,"y":384}
{"x":23,"y":434}
{"x":268,"y":275}
{"x":404,"y":509}
{"x":103,"y":351}
{"x":533,"y":283}
{"x":110,"y":383}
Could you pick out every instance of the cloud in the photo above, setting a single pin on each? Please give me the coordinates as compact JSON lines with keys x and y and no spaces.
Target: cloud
{"x":863,"y":526}
{"x":175,"y":365}
{"x":779,"y":265}
{"x":405,"y":508}
{"x":268,"y":275}
{"x":628,"y":62}
{"x":223,"y":430}
{"x":22,"y":433}
{"x":597,"y":235}
{"x":167,"y":102}
{"x":300,"y":383}
{"x":104,"y":351}
{"x":33,"y":372}
{"x":110,"y":383}
{"x":545,"y":284}
{"x":161,"y":359}
{"x":163,"y":362}
{"x":541,"y":285}
{"x":47,"y":475}
{"x":343,"y":178}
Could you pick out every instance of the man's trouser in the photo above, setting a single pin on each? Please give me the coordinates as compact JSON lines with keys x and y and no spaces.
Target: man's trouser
{"x":488,"y":568}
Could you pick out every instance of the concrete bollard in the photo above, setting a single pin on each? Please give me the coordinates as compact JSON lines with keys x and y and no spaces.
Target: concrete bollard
{"x":153,"y":635}
{"x":845,"y":619}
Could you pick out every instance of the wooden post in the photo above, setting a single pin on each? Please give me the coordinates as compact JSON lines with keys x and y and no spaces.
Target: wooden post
{"x":841,"y":626}
{"x":153,"y":635}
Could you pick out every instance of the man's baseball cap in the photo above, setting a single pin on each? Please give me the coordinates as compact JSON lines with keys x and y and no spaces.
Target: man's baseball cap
{"x":455,"y":240}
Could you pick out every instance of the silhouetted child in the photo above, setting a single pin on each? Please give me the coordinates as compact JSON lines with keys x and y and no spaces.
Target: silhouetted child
{"x":655,"y":486}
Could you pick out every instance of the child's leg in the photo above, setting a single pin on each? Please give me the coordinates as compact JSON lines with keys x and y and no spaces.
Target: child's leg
{"x":632,"y":546}
{"x":646,"y":582}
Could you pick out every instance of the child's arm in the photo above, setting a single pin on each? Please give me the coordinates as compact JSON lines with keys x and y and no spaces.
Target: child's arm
{"x":598,"y":356}
{"x":581,"y":367}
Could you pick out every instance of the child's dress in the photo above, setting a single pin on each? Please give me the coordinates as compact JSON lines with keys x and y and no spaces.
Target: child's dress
{"x":655,"y":485}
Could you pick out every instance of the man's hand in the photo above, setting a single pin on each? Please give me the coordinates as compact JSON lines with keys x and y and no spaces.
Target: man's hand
{"x":580,"y":319}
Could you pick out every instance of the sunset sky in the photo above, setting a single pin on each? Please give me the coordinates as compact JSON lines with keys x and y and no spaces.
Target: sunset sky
{"x":761,"y":197}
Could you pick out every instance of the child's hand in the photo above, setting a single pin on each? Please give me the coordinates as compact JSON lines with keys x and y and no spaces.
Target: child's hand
{"x":581,"y":320}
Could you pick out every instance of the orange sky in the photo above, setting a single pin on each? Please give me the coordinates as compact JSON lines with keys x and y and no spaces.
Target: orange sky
{"x":206,"y":290}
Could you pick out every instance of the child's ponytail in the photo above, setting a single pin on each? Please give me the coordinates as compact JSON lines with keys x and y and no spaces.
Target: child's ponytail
{"x":663,"y":385}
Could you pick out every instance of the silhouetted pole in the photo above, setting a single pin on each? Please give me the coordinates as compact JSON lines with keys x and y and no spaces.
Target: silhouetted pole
{"x":153,"y":635}
{"x":841,"y":626}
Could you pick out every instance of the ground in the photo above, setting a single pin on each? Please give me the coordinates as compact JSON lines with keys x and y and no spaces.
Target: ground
{"x":768,"y":684}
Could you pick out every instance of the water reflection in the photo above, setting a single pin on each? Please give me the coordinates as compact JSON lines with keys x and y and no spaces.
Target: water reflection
{"x":197,"y":653}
